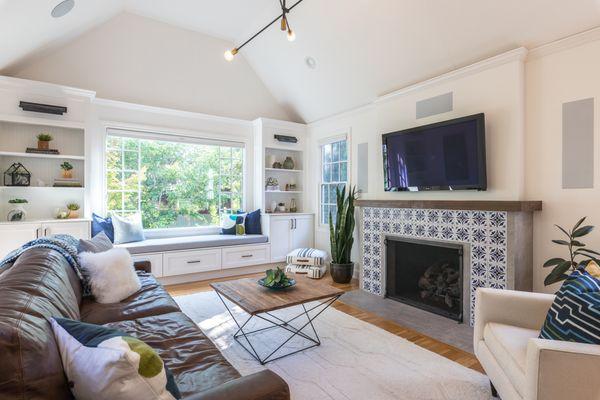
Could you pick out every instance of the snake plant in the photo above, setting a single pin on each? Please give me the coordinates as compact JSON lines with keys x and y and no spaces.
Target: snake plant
{"x":341,"y":232}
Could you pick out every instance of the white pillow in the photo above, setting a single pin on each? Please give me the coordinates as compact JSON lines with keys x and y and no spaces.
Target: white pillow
{"x":104,"y":363}
{"x":128,"y":229}
{"x":111,"y":274}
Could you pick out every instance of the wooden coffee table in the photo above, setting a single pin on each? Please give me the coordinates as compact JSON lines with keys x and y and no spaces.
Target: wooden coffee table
{"x":259,"y":302}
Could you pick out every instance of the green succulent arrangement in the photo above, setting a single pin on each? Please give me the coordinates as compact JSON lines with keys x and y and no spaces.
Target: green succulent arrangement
{"x":341,"y":232}
{"x":67,"y":166}
{"x":18,"y":201}
{"x":44,"y":137}
{"x":73,"y":206}
{"x":576,"y":249}
{"x":276,"y":278}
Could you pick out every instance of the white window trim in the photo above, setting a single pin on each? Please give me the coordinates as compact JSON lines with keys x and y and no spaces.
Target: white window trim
{"x":347,"y":136}
{"x":173,"y":135}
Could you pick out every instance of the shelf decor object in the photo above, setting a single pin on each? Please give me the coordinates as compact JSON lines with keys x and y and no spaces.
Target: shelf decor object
{"x":44,"y":140}
{"x":17,"y":175}
{"x":17,"y":213}
{"x":288,"y":163}
{"x":42,"y":108}
{"x":285,"y":26}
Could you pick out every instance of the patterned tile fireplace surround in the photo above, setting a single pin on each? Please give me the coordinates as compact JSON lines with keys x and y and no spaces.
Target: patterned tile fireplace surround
{"x":496,"y":237}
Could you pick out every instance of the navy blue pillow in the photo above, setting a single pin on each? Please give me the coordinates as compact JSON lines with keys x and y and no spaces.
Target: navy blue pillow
{"x":575,"y":313}
{"x":253,"y":223}
{"x":105,"y":225}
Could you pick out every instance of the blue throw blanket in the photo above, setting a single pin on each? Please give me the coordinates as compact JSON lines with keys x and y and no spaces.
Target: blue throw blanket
{"x":66,"y":245}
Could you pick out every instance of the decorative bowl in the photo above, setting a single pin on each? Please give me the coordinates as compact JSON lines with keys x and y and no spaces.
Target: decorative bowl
{"x":291,"y":283}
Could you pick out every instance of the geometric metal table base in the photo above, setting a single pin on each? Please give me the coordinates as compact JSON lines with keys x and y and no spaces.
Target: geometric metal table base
{"x":243,"y":337}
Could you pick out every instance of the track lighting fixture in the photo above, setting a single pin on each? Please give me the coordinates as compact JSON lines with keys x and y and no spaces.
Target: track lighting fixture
{"x":284,"y":26}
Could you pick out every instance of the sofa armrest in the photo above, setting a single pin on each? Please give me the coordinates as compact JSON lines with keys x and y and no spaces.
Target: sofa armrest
{"x":144,"y":266}
{"x":562,"y":370}
{"x":263,"y":385}
{"x":510,"y":307}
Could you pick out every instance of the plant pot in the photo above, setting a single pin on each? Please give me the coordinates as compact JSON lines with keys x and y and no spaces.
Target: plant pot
{"x":43,"y":145}
{"x":341,"y":273}
{"x":67,"y":174}
{"x":288,"y":163}
{"x":73,"y":214}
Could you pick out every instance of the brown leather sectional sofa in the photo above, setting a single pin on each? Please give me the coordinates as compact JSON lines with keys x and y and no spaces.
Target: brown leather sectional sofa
{"x":41,"y":284}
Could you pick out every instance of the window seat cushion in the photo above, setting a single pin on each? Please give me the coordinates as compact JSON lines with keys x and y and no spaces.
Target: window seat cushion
{"x":190,"y":243}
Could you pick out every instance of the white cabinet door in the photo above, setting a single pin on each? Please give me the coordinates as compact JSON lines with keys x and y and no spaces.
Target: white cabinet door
{"x":191,"y":262}
{"x":241,"y":256}
{"x":280,"y":230}
{"x":14,"y":235}
{"x":302,"y":232}
{"x":78,"y":229}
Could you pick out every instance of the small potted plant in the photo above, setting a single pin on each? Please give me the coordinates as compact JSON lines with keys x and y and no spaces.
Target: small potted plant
{"x":17,"y":212}
{"x":73,"y":210}
{"x":44,"y":140}
{"x":67,"y":170}
{"x":341,"y":236}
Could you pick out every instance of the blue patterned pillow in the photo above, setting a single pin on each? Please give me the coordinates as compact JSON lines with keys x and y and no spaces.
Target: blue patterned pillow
{"x":105,"y":225}
{"x":575,"y":314}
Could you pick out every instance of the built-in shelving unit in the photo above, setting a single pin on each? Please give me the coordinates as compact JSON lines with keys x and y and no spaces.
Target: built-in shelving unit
{"x":44,"y":199}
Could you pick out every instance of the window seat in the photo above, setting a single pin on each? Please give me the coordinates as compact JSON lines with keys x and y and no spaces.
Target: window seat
{"x":162,"y":245}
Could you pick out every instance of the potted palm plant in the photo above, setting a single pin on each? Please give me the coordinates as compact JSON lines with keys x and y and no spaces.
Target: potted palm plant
{"x":341,"y":236}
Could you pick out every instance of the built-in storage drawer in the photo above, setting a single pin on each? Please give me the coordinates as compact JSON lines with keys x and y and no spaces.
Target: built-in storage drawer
{"x":241,"y":256}
{"x":156,"y":262}
{"x":191,"y":262}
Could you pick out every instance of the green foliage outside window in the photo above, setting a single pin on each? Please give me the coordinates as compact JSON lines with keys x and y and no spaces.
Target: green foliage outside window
{"x":173,"y":184}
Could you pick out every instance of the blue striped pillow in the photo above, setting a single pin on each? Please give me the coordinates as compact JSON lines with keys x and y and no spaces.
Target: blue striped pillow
{"x":575,"y":314}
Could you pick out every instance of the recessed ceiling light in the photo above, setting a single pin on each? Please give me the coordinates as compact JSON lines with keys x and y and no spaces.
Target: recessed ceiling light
{"x":63,"y":8}
{"x":310,"y":62}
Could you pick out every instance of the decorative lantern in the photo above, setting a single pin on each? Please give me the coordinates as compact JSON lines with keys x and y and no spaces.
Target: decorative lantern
{"x":17,"y":175}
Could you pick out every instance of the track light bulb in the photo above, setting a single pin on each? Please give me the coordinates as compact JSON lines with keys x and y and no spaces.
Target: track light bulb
{"x":291,"y":35}
{"x":229,"y":54}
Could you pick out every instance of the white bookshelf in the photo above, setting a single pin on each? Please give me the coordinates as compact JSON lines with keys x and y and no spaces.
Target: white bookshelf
{"x":43,"y":198}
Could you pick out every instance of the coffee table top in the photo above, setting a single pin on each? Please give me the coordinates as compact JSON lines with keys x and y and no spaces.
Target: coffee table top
{"x":256,"y":299}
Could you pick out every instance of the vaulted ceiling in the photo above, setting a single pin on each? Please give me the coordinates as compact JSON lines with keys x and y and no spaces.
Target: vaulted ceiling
{"x":363,"y":48}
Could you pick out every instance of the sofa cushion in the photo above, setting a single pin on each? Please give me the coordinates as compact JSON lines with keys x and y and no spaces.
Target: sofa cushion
{"x":192,"y":358}
{"x":191,"y":242}
{"x":508,"y":344}
{"x":39,"y":285}
{"x":151,"y":299}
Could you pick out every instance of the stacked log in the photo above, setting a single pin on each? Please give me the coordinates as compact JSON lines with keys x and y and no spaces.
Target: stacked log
{"x":441,"y":280}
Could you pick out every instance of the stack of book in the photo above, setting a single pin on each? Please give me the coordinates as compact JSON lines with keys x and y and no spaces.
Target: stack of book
{"x":42,"y":151}
{"x":61,"y":182}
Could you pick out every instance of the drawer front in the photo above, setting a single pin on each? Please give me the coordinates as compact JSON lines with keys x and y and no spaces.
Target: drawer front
{"x":190,"y":262}
{"x":156,"y":261}
{"x":242,"y":256}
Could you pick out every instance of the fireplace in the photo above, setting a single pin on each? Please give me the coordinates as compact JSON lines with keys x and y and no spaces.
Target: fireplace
{"x":426,"y":274}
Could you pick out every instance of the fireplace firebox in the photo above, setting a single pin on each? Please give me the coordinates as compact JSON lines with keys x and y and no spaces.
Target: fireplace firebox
{"x":426,"y":274}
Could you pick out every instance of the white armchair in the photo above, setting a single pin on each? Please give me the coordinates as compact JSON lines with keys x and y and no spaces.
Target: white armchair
{"x":521,"y":366}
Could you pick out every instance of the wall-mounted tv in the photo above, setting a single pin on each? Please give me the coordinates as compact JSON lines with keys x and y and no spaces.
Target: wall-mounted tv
{"x":447,"y":155}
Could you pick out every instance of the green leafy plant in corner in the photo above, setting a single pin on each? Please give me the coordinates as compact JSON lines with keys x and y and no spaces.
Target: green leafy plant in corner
{"x":276,"y":278}
{"x":73,"y":206}
{"x":44,"y":137}
{"x":67,"y":166}
{"x":18,"y":201}
{"x":576,"y":249}
{"x":342,"y":230}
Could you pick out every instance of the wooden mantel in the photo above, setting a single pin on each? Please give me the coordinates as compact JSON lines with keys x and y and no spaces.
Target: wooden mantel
{"x":500,"y":205}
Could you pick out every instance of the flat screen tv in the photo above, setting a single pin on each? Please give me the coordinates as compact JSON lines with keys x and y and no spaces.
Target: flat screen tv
{"x":447,"y":155}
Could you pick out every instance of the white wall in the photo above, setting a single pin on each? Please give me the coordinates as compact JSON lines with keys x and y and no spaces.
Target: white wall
{"x":139,"y":60}
{"x":495,"y":88}
{"x":553,"y":79}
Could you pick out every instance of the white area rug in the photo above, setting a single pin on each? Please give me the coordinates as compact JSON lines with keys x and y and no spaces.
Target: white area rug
{"x":356,"y":360}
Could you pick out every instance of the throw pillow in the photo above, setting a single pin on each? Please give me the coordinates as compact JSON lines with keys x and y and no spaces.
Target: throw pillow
{"x":575,"y":313}
{"x":104,"y":363}
{"x":105,"y":225}
{"x":128,"y":229}
{"x":97,"y":244}
{"x":253,"y":223}
{"x":111,"y":274}
{"x":230,"y":223}
{"x":240,"y":225}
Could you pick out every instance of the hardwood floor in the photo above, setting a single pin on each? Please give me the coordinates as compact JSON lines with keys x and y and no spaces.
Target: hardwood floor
{"x":450,"y":352}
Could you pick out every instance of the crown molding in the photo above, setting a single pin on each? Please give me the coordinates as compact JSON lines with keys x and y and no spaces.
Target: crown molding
{"x":518,"y":54}
{"x":566,"y":43}
{"x":44,"y":88}
{"x":277,"y":123}
{"x":343,"y":114}
{"x":171,"y":112}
